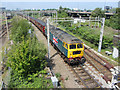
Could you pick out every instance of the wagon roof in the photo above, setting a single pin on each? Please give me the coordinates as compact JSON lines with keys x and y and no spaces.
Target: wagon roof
{"x":40,"y":21}
{"x":63,"y":36}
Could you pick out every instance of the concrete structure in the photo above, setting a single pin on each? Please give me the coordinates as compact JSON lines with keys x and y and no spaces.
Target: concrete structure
{"x":2,"y":9}
{"x":116,"y":42}
{"x":107,"y":7}
{"x":86,"y":14}
{"x":75,"y":8}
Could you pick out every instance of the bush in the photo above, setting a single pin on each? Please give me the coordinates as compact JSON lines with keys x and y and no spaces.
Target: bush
{"x":20,"y":27}
{"x":91,"y":36}
{"x":27,"y":57}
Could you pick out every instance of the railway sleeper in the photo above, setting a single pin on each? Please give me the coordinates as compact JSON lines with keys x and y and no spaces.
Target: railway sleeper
{"x":86,"y":78}
{"x":83,"y":74}
{"x":91,"y":84}
{"x":77,"y":80}
{"x":89,"y":81}
{"x":80,"y":71}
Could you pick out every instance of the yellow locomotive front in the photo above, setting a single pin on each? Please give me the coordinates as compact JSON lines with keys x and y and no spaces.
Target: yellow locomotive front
{"x":71,"y":47}
{"x":76,"y":52}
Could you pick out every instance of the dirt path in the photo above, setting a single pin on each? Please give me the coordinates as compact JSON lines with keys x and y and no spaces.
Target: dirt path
{"x":58,"y":65}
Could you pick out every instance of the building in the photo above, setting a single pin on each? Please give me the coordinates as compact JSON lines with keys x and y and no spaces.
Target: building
{"x":107,"y":8}
{"x":2,"y":9}
{"x":119,"y":4}
{"x":75,"y":9}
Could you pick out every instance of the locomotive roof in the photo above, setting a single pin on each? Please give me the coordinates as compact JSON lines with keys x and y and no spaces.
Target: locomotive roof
{"x":40,"y":21}
{"x":63,"y":36}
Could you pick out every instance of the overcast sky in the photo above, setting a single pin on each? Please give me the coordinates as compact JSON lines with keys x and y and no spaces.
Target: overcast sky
{"x":60,"y":0}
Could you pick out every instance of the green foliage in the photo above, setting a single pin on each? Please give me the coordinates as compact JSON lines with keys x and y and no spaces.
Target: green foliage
{"x":62,"y":12}
{"x":67,"y":78}
{"x":27,"y":57}
{"x":90,"y":35}
{"x":31,"y":82}
{"x":20,"y":27}
{"x":58,"y":75}
{"x":98,"y":12}
{"x":114,"y":21}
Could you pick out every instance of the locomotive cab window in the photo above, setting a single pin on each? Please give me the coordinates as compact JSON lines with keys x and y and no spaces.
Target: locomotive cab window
{"x":66,"y":46}
{"x":63,"y":44}
{"x":79,"y":46}
{"x":73,"y":46}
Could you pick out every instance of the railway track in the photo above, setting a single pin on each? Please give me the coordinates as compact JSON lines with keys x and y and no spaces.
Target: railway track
{"x":83,"y":78}
{"x":3,"y":30}
{"x":99,"y":64}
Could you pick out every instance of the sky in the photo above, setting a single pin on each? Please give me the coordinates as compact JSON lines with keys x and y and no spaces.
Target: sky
{"x":59,"y":0}
{"x":45,"y":4}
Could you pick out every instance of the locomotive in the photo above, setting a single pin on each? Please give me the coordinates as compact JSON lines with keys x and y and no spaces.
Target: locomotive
{"x":69,"y":46}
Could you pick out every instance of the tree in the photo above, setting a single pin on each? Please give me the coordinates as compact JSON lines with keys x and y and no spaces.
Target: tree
{"x":62,"y":12}
{"x":60,"y":8}
{"x":20,"y":27}
{"x":98,"y":12}
{"x":27,"y":57}
{"x":114,"y":21}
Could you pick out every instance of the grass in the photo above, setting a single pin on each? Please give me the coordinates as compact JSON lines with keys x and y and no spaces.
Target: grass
{"x":108,"y":31}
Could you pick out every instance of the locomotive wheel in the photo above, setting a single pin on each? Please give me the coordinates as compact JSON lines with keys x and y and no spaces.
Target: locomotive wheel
{"x":65,"y":59}
{"x":62,"y":56}
{"x":83,"y":60}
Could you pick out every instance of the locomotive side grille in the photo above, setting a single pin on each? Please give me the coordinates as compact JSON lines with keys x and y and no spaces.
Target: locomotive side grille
{"x":76,"y":52}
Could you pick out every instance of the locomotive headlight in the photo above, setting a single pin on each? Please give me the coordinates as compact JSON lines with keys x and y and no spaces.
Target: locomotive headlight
{"x":70,"y":52}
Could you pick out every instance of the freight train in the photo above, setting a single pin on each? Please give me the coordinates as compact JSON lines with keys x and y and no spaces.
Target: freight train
{"x":69,"y":46}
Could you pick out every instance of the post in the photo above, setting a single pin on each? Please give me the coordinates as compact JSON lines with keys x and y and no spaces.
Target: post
{"x":22,"y":14}
{"x":1,"y":19}
{"x":7,"y":25}
{"x":98,"y":21}
{"x":95,"y":22}
{"x":80,"y":21}
{"x":28,"y":16}
{"x":52,"y":15}
{"x":89,"y":21}
{"x":101,"y":34}
{"x":48,"y":38}
{"x":56,"y":16}
{"x":32,"y":13}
